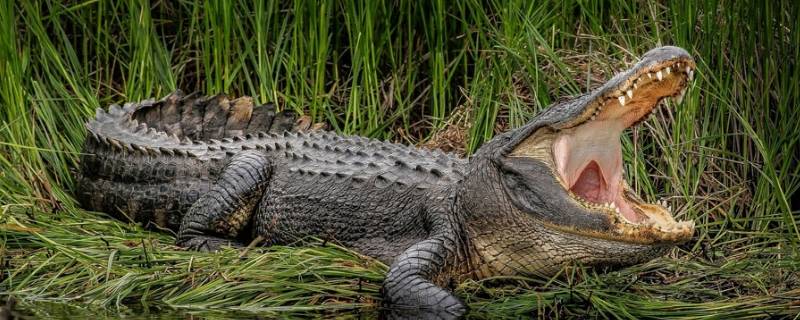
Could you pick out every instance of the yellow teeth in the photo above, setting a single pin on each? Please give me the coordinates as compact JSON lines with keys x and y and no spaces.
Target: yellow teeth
{"x":608,"y":206}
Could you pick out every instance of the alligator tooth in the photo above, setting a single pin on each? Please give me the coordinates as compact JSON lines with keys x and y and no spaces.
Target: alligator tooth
{"x":613,"y":205}
{"x":593,"y":117}
{"x":659,"y":75}
{"x":650,"y":75}
{"x":621,"y":100}
{"x":635,"y":85}
{"x":691,"y":74}
{"x":678,"y":65}
{"x":630,"y":94}
{"x":669,"y":70}
{"x":599,"y":108}
{"x":688,"y":69}
{"x":679,"y":99}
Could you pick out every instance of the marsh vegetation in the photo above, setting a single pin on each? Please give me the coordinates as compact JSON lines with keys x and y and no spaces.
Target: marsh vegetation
{"x":434,"y":73}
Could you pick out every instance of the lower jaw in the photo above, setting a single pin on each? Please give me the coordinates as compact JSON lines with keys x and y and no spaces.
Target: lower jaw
{"x":519,"y":255}
{"x":602,"y":197}
{"x":635,"y":223}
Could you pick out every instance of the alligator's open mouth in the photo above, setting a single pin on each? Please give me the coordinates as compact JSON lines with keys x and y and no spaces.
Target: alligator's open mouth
{"x":585,"y":151}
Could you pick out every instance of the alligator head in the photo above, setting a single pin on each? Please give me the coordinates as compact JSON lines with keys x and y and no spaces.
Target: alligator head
{"x":559,"y":192}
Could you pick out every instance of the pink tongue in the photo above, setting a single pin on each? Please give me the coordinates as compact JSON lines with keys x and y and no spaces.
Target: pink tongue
{"x":591,"y":185}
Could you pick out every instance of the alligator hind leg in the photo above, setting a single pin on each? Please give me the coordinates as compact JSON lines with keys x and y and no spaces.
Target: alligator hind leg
{"x":223,"y":212}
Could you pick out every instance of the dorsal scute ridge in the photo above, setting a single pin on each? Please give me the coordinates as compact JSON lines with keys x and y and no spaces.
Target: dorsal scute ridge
{"x":116,"y":111}
{"x":366,"y":158}
{"x":122,"y":127}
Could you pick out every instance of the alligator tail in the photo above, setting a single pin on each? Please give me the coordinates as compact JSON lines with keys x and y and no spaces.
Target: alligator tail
{"x":149,"y":161}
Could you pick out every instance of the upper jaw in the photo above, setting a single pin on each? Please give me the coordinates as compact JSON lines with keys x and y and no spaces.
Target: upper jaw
{"x":655,"y":66}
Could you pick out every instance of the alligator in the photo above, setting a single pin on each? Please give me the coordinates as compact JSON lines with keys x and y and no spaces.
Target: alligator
{"x":222,"y":171}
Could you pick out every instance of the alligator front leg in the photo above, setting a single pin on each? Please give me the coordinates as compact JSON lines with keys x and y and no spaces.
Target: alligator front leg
{"x":411,"y":281}
{"x":219,"y":215}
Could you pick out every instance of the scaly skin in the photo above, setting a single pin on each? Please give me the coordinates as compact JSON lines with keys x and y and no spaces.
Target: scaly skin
{"x":432,"y":216}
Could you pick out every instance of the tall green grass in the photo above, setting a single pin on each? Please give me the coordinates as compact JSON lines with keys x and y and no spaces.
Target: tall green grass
{"x":727,"y":157}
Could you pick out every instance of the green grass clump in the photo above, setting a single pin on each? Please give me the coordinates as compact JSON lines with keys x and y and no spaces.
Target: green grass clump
{"x":398,"y":70}
{"x":88,"y":257}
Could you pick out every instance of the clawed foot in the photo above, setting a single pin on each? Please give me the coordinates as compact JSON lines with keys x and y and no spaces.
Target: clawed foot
{"x":420,"y":298}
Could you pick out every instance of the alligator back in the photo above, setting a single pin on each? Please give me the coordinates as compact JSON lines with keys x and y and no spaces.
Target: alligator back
{"x":149,"y":161}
